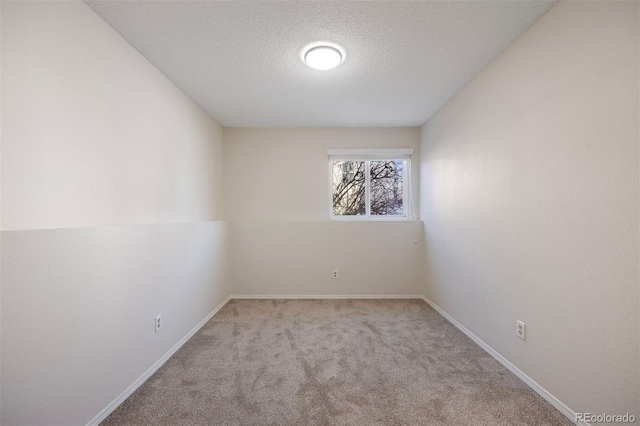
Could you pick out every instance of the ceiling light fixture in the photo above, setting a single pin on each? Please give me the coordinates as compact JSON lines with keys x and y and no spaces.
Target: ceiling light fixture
{"x":323,"y":57}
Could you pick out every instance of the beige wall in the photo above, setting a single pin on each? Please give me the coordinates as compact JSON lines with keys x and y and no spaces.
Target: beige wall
{"x":529,"y":195}
{"x":283,"y":175}
{"x":78,"y":309}
{"x":97,"y":144}
{"x":282,"y":241}
{"x":296,"y":258}
{"x":93,"y":134}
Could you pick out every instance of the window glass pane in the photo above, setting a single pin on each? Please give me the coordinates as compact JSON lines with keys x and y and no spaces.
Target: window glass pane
{"x":348,"y":188}
{"x":387,"y":187}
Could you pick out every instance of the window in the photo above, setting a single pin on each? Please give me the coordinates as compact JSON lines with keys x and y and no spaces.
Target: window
{"x":369,"y":184}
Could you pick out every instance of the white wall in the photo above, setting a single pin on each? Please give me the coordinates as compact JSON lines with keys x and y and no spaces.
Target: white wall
{"x":101,"y":156}
{"x":282,"y":242}
{"x":529,"y":195}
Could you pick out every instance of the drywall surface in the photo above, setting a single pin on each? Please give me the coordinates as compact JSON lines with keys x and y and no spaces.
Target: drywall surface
{"x":529,"y":191}
{"x":283,"y":174}
{"x":277,"y":196}
{"x":92,"y":133}
{"x":97,"y":145}
{"x":78,"y":309}
{"x":297,"y":258}
{"x":242,"y":60}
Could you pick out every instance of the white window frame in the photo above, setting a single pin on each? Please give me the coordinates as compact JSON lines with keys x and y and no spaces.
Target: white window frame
{"x":368,"y":155}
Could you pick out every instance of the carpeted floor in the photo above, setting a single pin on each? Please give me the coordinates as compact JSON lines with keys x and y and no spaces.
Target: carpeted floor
{"x":332,"y":362}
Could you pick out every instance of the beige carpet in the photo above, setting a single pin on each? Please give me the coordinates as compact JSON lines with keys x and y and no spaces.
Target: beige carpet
{"x":332,"y":362}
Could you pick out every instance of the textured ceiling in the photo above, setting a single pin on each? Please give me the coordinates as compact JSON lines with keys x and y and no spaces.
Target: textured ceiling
{"x":240,"y":60}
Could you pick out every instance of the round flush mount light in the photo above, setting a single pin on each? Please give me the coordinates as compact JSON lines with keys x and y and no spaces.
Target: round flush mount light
{"x":323,"y":56}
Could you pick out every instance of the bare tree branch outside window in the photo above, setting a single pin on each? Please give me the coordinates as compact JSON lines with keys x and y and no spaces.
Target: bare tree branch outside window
{"x":348,"y":188}
{"x":385,"y":187}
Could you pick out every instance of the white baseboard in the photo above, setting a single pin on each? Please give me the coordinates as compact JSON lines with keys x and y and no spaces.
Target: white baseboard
{"x":327,"y":296}
{"x":135,"y":385}
{"x":570,"y":414}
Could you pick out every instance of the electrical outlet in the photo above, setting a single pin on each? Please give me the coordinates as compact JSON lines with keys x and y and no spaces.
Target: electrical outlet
{"x":521,"y":330}
{"x":158,"y":323}
{"x":335,"y":274}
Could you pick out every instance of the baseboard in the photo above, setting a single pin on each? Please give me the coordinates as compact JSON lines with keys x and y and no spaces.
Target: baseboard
{"x":135,"y":385}
{"x":327,"y":296}
{"x":570,"y":414}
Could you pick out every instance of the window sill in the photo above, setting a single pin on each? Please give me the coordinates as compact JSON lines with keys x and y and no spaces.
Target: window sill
{"x":368,"y":219}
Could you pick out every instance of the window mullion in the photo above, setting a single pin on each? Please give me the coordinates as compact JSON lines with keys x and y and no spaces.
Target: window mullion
{"x":407,"y":188}
{"x":367,"y":187}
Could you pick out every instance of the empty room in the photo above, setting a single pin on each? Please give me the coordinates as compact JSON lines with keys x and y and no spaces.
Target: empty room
{"x":299,"y":212}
